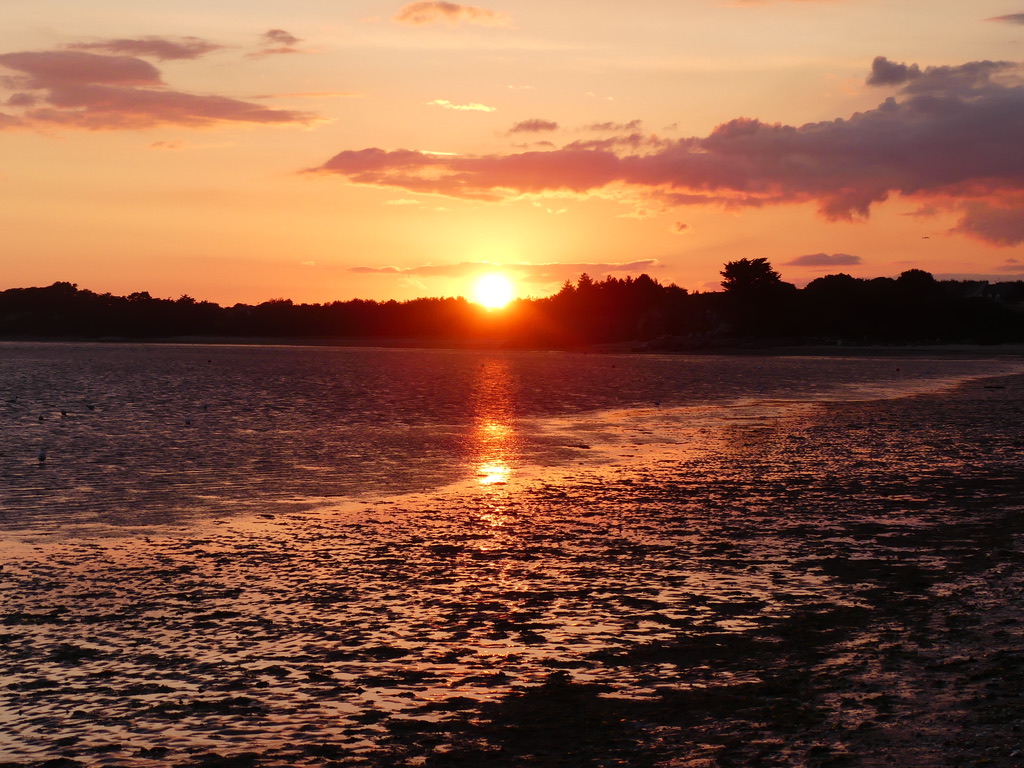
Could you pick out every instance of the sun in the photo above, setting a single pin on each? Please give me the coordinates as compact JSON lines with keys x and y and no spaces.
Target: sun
{"x":493,"y":290}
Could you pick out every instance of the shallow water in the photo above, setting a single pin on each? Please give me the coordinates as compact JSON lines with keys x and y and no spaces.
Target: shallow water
{"x":737,"y":527}
{"x":141,"y":435}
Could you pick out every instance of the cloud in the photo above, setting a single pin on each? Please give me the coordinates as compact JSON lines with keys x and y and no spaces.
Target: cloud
{"x":824,"y":260}
{"x":950,"y":135}
{"x":60,"y":69}
{"x":680,"y":228}
{"x":533,"y":126}
{"x":533,"y":273}
{"x":631,"y":141}
{"x":434,"y":12}
{"x":310,"y":95}
{"x":1012,"y":276}
{"x":885,"y":72}
{"x":632,"y":125}
{"x":472,"y":107}
{"x":161,"y":48}
{"x":175,"y":145}
{"x":1010,"y":18}
{"x":276,"y":42}
{"x":10,"y":121}
{"x":280,"y":37}
{"x":999,"y":222}
{"x":79,"y":89}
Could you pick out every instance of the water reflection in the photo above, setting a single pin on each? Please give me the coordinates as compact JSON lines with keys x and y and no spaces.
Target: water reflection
{"x":495,"y":441}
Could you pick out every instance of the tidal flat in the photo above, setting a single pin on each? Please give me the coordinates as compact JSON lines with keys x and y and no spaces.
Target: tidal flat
{"x":834,"y":584}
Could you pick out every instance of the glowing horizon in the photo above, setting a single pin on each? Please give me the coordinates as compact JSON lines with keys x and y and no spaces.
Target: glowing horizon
{"x":256,"y":159}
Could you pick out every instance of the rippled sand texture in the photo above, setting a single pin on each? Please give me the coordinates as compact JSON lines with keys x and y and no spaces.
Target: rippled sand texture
{"x":839,"y":585}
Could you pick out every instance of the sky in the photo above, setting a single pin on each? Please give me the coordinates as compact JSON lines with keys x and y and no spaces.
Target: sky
{"x":322,"y":150}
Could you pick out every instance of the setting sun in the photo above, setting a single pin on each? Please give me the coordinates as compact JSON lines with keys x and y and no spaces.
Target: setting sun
{"x":493,"y":290}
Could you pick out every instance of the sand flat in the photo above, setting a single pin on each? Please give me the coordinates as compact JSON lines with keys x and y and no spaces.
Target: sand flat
{"x":831,"y":585}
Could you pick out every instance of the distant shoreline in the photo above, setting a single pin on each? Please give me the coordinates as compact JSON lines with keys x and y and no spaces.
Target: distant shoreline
{"x":635,"y":347}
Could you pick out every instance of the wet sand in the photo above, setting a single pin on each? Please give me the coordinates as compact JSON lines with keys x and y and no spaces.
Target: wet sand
{"x":833,"y":585}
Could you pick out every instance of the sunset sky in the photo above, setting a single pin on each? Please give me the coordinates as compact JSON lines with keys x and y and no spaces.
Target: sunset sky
{"x":244,"y":150}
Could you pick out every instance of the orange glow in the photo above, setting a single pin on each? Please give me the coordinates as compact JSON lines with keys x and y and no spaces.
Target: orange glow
{"x":493,"y":290}
{"x":495,"y":439}
{"x":496,"y":442}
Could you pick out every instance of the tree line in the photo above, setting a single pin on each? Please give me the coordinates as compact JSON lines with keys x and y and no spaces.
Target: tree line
{"x":755,"y":306}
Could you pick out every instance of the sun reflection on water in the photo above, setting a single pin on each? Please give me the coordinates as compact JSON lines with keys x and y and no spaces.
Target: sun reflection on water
{"x":495,"y":439}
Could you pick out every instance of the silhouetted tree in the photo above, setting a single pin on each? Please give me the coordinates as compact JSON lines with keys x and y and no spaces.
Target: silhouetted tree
{"x":749,"y":276}
{"x":759,"y":303}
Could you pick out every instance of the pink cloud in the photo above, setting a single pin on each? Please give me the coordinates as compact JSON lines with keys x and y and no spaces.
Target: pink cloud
{"x":437,"y":11}
{"x":106,"y":107}
{"x":10,"y":121}
{"x":950,"y":132}
{"x":48,"y":69}
{"x":78,"y":89}
{"x":1000,"y":222}
{"x":161,"y":48}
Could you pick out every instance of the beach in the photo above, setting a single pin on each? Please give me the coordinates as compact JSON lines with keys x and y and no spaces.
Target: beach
{"x":837,"y":583}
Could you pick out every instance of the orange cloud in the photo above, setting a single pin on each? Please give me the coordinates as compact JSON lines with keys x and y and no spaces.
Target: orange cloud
{"x":436,"y":11}
{"x":950,"y":133}
{"x":78,"y":89}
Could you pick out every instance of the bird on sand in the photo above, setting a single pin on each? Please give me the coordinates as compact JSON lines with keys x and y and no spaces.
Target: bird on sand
{"x":42,"y":455}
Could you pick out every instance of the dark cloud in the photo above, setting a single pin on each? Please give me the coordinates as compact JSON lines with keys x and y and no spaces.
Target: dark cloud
{"x":535,"y":273}
{"x":535,"y":125}
{"x":1010,"y":18}
{"x":161,"y":48}
{"x":952,"y":134}
{"x":79,"y":89}
{"x":433,"y":12}
{"x":824,"y":260}
{"x":885,"y":72}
